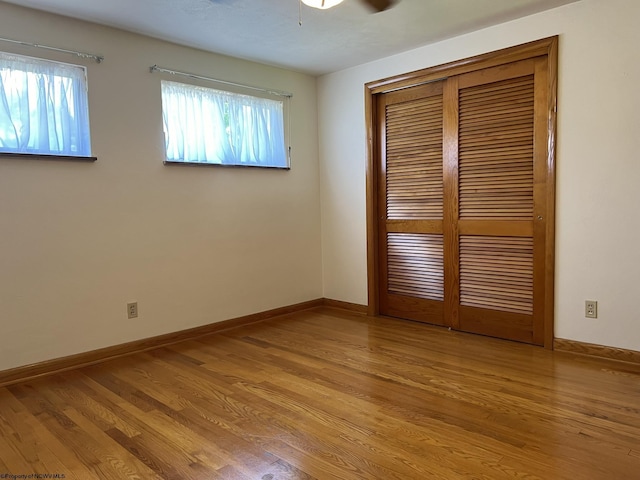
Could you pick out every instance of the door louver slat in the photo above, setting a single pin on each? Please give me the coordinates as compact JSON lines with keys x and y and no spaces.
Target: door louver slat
{"x":496,"y":150}
{"x":415,"y":265}
{"x":497,"y":273}
{"x":414,"y":159}
{"x":462,"y":223}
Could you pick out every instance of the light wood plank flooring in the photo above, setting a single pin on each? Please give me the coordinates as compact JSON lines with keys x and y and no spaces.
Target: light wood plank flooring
{"x":328,"y":394}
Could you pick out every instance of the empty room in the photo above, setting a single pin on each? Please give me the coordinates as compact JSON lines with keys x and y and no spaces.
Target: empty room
{"x":319,"y":239}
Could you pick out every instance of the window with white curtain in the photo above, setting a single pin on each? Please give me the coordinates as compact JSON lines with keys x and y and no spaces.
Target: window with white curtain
{"x":43,"y":107}
{"x":208,"y":126}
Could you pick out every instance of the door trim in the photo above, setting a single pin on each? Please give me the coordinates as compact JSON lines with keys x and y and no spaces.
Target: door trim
{"x":546,"y":48}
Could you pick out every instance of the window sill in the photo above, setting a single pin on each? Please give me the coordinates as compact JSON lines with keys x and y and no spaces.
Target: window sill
{"x":220,"y":165}
{"x":40,"y":156}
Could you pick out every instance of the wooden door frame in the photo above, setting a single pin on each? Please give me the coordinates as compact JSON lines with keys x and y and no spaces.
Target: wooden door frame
{"x":547,"y":47}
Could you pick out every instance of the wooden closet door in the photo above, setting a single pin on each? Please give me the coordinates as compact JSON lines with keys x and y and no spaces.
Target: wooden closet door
{"x":410,"y":202}
{"x":460,"y":193}
{"x":495,"y":154}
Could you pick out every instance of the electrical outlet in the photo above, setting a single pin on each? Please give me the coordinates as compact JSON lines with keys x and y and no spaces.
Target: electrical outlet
{"x":132,"y":310}
{"x":591,"y":309}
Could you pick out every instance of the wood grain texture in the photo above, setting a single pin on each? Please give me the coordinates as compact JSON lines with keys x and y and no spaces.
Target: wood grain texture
{"x":501,"y":228}
{"x":451,"y":205}
{"x":352,"y":307}
{"x":70,"y":362}
{"x":374,"y":123}
{"x":498,"y":155}
{"x":601,"y":351}
{"x":497,"y":273}
{"x":495,"y":164}
{"x":410,"y":204}
{"x":329,"y":394}
{"x":537,"y":48}
{"x":415,"y":265}
{"x":413,"y":160}
{"x":542,"y":193}
{"x":550,"y":214}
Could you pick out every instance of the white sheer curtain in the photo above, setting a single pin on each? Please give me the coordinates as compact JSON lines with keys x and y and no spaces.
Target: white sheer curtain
{"x":204,"y":125}
{"x":43,"y":107}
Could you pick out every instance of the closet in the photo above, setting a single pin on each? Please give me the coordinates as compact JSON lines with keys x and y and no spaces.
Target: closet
{"x":461,"y":194}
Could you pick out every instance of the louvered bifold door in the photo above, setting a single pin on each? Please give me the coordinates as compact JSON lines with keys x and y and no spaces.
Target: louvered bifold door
{"x":410,"y":204}
{"x":499,"y":234}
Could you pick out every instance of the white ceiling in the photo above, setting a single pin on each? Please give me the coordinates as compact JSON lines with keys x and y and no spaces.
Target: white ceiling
{"x":267,"y":31}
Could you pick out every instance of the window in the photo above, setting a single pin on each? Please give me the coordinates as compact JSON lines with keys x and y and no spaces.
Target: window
{"x":43,"y":107}
{"x":207,"y":126}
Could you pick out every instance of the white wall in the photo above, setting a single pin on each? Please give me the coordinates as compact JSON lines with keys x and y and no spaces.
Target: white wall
{"x":192,"y":245}
{"x":598,"y":170}
{"x":199,"y":245}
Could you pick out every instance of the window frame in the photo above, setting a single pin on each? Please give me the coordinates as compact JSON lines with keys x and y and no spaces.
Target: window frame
{"x":238,"y":91}
{"x":38,"y":62}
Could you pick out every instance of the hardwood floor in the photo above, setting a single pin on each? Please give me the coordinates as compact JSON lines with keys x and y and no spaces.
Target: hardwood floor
{"x":328,"y":394}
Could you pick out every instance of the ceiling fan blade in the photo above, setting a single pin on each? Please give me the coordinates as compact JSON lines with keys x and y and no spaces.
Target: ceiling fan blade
{"x":379,"y":5}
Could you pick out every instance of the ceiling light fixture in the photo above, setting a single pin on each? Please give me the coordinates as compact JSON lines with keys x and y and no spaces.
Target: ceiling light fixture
{"x":322,"y":4}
